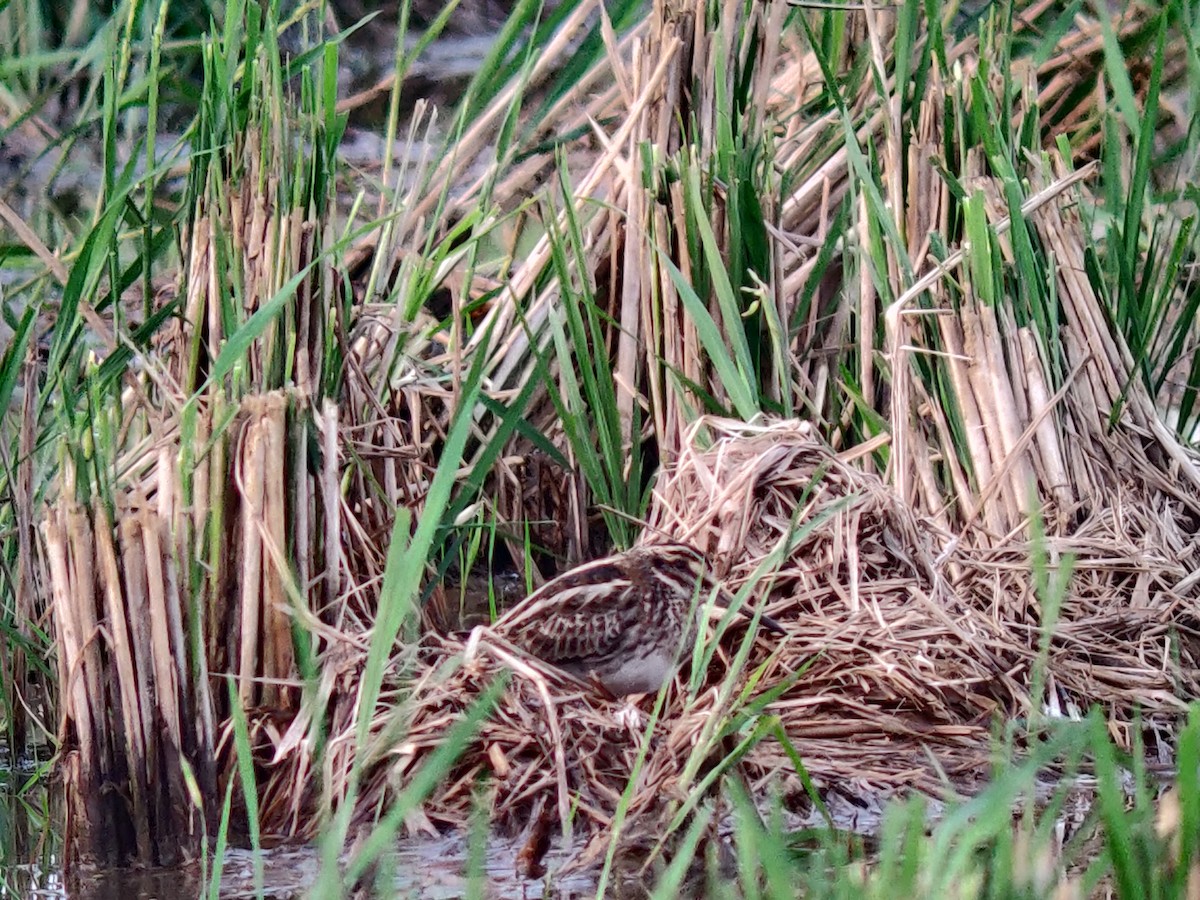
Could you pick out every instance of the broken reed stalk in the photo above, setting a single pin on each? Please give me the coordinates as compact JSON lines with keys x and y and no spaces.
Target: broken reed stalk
{"x":137,"y":645}
{"x":265,"y":625}
{"x":129,"y":711}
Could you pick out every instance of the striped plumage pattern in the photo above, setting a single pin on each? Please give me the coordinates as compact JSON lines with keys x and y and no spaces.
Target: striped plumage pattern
{"x":620,"y":620}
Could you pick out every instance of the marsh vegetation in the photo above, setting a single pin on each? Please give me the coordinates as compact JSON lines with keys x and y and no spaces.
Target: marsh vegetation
{"x":888,"y":310}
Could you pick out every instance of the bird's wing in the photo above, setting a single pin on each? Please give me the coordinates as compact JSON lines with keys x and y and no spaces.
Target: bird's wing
{"x":583,"y":613}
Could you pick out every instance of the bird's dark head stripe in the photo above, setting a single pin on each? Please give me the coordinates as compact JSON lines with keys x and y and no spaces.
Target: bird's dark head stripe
{"x":602,"y":571}
{"x":668,"y":551}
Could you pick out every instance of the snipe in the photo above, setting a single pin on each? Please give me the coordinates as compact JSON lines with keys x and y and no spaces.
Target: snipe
{"x":620,"y":621}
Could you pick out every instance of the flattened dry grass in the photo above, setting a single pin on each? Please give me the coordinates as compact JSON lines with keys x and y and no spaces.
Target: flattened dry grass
{"x":911,"y":648}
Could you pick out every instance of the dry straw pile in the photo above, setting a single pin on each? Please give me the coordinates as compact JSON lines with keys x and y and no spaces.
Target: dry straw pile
{"x":910,"y":647}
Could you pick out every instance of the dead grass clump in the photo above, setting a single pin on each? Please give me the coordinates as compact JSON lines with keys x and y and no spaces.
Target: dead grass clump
{"x":551,"y":748}
{"x":901,"y":676}
{"x":902,"y":673}
{"x":907,"y":648}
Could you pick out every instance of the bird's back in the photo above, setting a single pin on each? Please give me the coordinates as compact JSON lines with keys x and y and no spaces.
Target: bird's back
{"x":611,"y":610}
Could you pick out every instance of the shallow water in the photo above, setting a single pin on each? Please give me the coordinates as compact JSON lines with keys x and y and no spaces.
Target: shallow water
{"x":431,"y":869}
{"x":29,"y":845}
{"x":426,"y":869}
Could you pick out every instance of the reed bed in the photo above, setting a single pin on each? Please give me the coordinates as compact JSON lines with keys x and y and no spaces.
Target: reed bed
{"x":825,"y":293}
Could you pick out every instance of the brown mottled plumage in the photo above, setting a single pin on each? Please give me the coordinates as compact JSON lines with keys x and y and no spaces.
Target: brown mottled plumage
{"x":620,"y":620}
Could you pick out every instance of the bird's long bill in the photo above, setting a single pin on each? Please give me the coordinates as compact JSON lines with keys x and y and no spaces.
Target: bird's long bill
{"x":725,"y":600}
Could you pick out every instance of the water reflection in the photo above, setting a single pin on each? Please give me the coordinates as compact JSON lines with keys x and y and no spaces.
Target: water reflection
{"x":435,"y":869}
{"x":30,"y":849}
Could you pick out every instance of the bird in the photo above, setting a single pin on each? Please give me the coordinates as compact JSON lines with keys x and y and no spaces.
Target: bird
{"x":620,"y":621}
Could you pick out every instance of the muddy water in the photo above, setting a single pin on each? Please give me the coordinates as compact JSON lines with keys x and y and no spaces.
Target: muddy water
{"x":31,"y":863}
{"x":430,"y":869}
{"x":426,"y":869}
